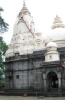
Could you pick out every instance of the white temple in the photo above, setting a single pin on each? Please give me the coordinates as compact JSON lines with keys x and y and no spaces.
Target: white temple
{"x":34,"y":64}
{"x":25,"y":39}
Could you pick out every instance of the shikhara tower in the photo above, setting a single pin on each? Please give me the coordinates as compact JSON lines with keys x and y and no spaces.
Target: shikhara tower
{"x":34,"y":64}
{"x":22,"y":40}
{"x":24,"y":35}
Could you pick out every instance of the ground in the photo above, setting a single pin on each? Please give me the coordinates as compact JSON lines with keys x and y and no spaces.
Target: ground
{"x":30,"y":98}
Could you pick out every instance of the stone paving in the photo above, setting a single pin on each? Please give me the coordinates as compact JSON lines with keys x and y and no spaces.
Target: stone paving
{"x":30,"y":98}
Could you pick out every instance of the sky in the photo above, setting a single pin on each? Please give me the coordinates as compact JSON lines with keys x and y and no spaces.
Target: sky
{"x":43,"y":12}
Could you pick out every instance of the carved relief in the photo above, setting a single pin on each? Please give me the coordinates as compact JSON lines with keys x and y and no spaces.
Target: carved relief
{"x":38,"y":42}
{"x":30,"y":43}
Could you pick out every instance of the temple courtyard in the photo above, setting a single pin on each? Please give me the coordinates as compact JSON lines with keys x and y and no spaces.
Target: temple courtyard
{"x":30,"y":98}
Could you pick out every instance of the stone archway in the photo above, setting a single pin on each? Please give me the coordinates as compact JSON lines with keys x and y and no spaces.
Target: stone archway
{"x":52,"y":80}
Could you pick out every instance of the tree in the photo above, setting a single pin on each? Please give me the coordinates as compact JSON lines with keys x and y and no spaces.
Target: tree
{"x":3,"y":24}
{"x":3,"y":46}
{"x":3,"y":28}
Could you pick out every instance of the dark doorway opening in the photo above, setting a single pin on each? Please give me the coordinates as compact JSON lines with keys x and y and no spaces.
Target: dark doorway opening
{"x":52,"y":80}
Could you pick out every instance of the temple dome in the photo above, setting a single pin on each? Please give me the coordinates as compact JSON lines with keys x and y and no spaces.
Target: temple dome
{"x":51,"y":52}
{"x":51,"y":44}
{"x":57,"y":34}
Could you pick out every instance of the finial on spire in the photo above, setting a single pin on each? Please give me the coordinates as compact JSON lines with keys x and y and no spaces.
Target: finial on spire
{"x":57,"y":16}
{"x":24,"y":9}
{"x":57,"y":23}
{"x":24,"y":2}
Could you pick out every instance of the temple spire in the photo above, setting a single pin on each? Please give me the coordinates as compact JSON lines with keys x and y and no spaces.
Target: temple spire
{"x":24,"y":9}
{"x":24,"y":4}
{"x":57,"y":23}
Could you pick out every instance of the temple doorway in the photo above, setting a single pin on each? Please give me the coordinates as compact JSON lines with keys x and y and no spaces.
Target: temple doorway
{"x":52,"y":80}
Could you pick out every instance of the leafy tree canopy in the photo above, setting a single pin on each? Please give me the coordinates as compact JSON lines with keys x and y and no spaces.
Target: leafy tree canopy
{"x":3,"y":46}
{"x":3,"y":24}
{"x":1,"y":9}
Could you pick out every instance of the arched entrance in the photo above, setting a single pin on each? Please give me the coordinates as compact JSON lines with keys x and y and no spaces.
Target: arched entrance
{"x":52,"y":80}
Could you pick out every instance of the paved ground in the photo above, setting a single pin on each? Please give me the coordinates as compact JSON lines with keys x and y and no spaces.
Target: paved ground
{"x":30,"y":98}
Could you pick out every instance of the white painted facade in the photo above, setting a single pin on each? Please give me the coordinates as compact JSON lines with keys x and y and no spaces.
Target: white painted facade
{"x":23,"y":34}
{"x":38,"y":42}
{"x":25,"y":39}
{"x":52,"y":54}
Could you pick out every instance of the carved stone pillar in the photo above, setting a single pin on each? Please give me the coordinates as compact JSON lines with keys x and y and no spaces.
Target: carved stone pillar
{"x":59,"y":84}
{"x":44,"y":78}
{"x":59,"y":80}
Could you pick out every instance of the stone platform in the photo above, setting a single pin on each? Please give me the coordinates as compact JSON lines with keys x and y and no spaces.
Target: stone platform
{"x":30,"y":98}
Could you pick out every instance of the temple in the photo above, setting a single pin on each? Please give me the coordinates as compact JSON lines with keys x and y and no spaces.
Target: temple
{"x":34,"y":64}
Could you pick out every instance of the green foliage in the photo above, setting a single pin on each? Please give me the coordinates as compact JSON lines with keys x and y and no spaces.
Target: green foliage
{"x":1,"y":71}
{"x":1,"y":9}
{"x":1,"y":60}
{"x":3,"y":24}
{"x":2,"y":83}
{"x":3,"y":46}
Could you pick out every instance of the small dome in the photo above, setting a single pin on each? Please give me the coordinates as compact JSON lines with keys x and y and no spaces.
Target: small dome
{"x":51,"y":44}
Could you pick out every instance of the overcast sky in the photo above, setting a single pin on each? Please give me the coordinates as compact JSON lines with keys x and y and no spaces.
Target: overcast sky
{"x":43,"y":12}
